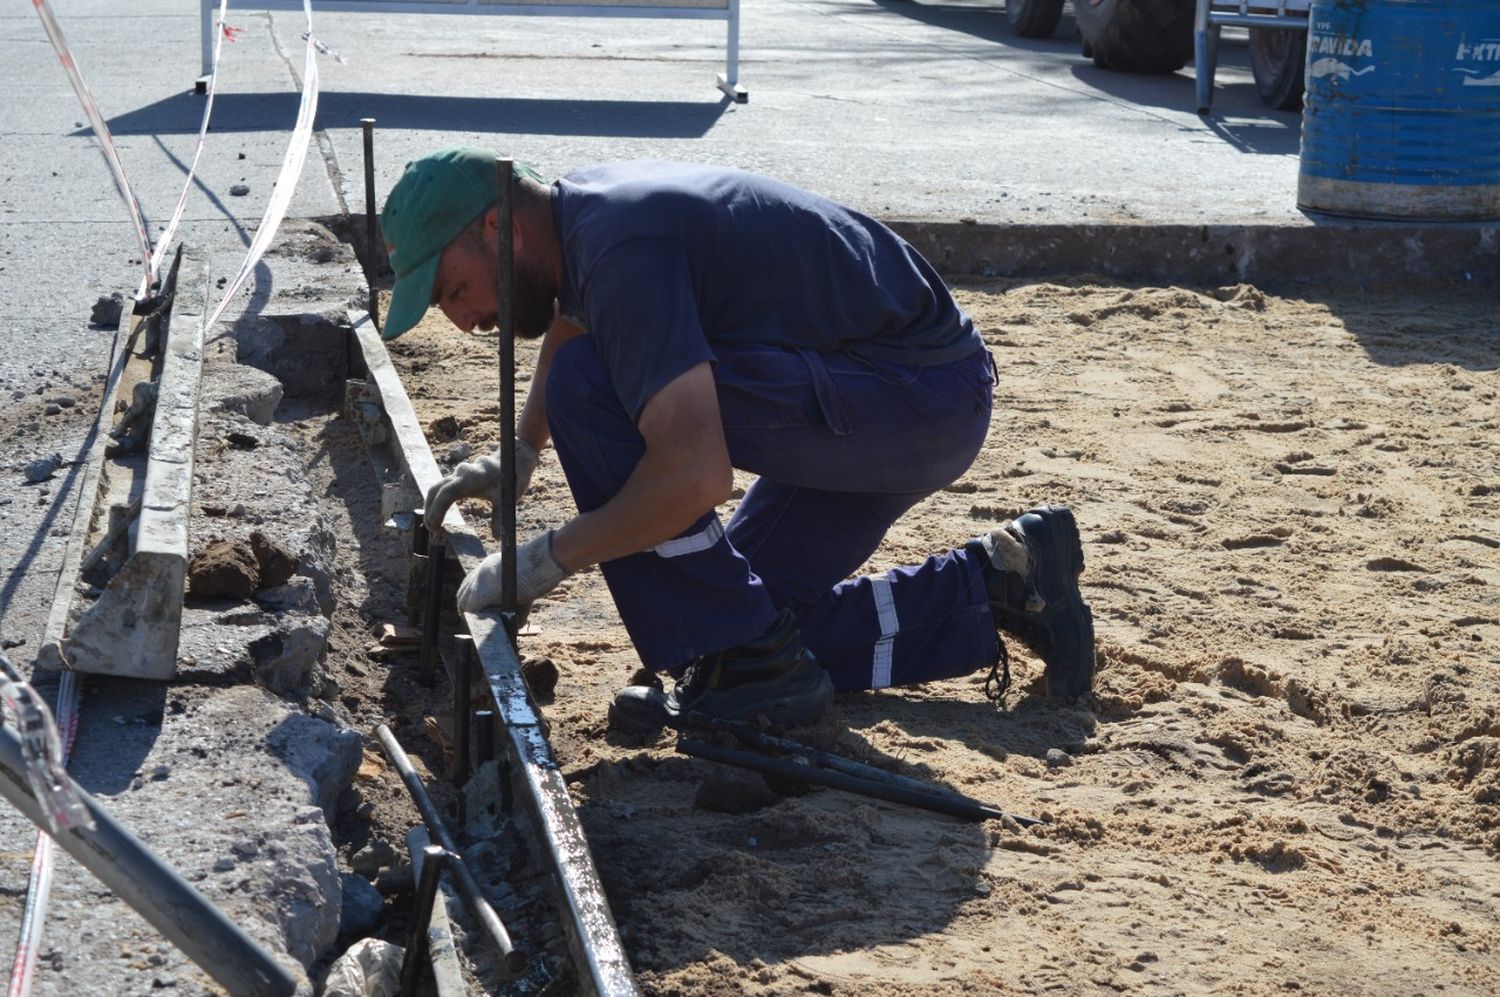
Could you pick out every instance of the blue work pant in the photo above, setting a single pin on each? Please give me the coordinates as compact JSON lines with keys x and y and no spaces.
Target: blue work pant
{"x":843,"y":446}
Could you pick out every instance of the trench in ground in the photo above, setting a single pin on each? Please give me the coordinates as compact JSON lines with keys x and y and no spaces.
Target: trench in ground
{"x":377,"y":685}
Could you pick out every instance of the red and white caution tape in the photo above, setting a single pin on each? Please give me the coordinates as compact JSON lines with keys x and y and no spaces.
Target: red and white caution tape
{"x":23,"y":967}
{"x":101,"y":131}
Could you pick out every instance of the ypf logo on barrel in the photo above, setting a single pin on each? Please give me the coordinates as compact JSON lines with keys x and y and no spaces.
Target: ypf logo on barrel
{"x":1327,"y":52}
{"x":1486,"y":53}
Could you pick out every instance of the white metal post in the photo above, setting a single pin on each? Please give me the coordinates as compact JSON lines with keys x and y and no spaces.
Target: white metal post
{"x":729,"y":82}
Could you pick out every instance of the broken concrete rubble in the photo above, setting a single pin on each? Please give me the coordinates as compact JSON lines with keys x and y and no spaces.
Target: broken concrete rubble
{"x":250,"y":392}
{"x":324,"y":755}
{"x":362,"y":905}
{"x":233,"y":771}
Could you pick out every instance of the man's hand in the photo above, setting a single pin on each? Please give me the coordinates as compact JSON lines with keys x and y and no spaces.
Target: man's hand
{"x":537,"y":573}
{"x":476,"y":479}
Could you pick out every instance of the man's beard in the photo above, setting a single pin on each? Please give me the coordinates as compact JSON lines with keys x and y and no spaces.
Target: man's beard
{"x":536,"y":301}
{"x":534,"y":306}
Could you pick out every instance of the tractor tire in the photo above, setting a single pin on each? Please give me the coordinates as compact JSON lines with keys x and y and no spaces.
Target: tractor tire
{"x":1137,"y":36}
{"x":1033,"y":18}
{"x":1278,"y":58}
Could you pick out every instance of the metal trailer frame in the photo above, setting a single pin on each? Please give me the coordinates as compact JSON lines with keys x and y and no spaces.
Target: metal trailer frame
{"x":1215,"y":14}
{"x":698,"y":10}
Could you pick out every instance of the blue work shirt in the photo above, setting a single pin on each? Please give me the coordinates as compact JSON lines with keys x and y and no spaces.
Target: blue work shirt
{"x":664,"y":261}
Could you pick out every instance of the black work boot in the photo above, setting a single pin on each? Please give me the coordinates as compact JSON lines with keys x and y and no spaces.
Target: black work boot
{"x":773,"y":675}
{"x":1031,"y":568}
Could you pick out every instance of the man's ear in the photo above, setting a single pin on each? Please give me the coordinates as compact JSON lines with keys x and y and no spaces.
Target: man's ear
{"x":492,"y":227}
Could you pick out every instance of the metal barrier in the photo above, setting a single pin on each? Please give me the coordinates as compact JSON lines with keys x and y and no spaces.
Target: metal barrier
{"x":1259,"y":16}
{"x":710,"y":10}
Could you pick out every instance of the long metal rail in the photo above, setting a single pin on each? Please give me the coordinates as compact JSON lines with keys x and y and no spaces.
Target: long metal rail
{"x":408,"y":471}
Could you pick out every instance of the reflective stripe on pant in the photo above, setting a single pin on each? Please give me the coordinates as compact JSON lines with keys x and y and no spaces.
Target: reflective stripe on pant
{"x":844,"y":447}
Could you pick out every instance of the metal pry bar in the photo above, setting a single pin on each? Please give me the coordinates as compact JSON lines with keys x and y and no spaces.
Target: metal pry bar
{"x":826,"y":769}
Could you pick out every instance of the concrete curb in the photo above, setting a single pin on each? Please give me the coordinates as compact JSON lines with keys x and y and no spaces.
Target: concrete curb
{"x":1265,"y":255}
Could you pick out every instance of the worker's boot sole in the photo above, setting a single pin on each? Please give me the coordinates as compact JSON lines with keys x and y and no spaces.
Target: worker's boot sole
{"x":1045,"y":608}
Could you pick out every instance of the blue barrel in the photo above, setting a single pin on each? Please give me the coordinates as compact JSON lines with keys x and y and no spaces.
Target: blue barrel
{"x":1402,"y":115}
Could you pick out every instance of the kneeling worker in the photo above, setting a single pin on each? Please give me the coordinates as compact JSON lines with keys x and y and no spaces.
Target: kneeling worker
{"x":699,"y":319}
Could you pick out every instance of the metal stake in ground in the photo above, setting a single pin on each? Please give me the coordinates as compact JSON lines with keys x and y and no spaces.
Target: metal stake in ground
{"x":484,"y":728}
{"x":463,"y":672}
{"x":434,"y":861}
{"x":463,"y":879}
{"x":432,"y":612}
{"x":507,"y":348}
{"x":372,"y":254}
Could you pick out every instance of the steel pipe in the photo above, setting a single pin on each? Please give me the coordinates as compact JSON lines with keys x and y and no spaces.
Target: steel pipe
{"x":463,"y":879}
{"x":930,"y":798}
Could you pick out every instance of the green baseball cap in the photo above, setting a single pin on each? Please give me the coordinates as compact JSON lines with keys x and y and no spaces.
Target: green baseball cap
{"x":435,"y":199}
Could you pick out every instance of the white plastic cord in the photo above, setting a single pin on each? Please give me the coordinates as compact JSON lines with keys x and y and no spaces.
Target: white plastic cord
{"x":165,"y":241}
{"x":286,"y":180}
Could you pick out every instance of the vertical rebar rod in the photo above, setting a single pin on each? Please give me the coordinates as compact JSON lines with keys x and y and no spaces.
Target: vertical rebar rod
{"x":434,"y":858}
{"x":507,"y":347}
{"x":463,"y":879}
{"x":419,"y":534}
{"x":484,"y":732}
{"x":372,"y":254}
{"x":463,"y":676}
{"x":432,"y":612}
{"x":416,"y":572}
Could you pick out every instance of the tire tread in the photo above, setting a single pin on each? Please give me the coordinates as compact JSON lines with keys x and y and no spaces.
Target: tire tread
{"x":1138,"y":36}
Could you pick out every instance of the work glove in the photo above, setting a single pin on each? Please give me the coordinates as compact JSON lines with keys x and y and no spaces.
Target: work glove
{"x":478,"y":479}
{"x":537,"y":573}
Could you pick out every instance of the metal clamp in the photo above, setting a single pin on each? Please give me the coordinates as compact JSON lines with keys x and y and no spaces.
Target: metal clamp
{"x":42,"y":753}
